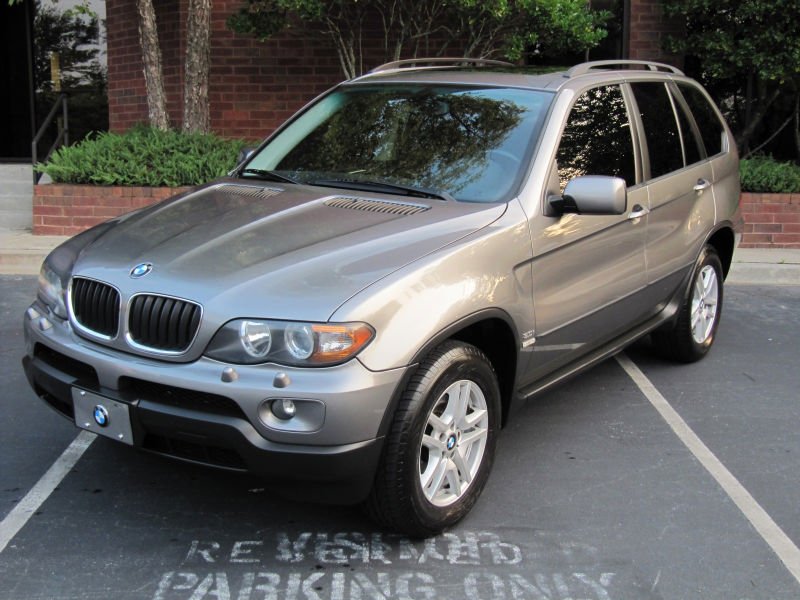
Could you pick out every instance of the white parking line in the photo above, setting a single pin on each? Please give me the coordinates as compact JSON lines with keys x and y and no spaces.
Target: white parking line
{"x":16,"y":519}
{"x":780,"y":543}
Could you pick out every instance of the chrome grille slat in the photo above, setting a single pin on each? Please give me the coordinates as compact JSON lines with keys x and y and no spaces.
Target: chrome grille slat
{"x":163,"y":323}
{"x":380,"y":206}
{"x":95,"y":306}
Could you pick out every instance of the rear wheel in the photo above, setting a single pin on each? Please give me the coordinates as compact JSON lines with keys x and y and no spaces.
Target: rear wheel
{"x":691,"y":335}
{"x":440,"y":449}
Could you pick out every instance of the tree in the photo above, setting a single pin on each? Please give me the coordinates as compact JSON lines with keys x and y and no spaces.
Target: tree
{"x":153,"y":70}
{"x":196,"y":115}
{"x":479,"y":29}
{"x":196,"y":66}
{"x":748,"y":55}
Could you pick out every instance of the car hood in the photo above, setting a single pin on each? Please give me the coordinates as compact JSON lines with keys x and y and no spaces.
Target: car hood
{"x":274,"y":251}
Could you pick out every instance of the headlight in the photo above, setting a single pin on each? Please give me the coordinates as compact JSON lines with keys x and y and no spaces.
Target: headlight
{"x":254,"y":341}
{"x":299,"y":340}
{"x":256,"y":338}
{"x":51,"y":291}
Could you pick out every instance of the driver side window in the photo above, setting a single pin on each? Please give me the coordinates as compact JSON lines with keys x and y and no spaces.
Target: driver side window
{"x":597,"y":138}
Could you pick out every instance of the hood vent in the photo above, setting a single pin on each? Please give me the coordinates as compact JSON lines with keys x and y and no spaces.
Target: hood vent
{"x":380,"y":206}
{"x":248,"y":190}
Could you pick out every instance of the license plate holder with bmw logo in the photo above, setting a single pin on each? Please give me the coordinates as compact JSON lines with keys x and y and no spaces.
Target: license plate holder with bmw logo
{"x":102,"y":415}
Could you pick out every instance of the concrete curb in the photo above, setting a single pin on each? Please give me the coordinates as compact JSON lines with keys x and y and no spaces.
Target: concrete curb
{"x":763,"y":274}
{"x":765,"y":266}
{"x":22,"y":253}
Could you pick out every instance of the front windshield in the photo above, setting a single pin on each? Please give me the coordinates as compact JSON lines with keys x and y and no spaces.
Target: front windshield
{"x":468,"y":142}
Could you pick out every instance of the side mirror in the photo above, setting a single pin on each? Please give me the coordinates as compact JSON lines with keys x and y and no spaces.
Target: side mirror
{"x":592,"y":195}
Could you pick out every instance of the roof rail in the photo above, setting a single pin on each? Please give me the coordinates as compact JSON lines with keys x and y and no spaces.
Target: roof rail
{"x":410,"y":62}
{"x":586,"y":67}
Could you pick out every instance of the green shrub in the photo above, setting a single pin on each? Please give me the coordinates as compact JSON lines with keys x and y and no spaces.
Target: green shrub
{"x":765,"y":174}
{"x":144,"y":157}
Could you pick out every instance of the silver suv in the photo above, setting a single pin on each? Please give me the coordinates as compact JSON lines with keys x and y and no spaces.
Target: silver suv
{"x":355,"y":311}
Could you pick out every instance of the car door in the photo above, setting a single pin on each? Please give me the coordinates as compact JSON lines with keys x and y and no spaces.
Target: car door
{"x":678,"y":180}
{"x":589,"y":269}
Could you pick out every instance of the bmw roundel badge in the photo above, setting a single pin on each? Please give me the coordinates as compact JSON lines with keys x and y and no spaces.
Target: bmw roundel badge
{"x":141,"y":270}
{"x":101,"y":415}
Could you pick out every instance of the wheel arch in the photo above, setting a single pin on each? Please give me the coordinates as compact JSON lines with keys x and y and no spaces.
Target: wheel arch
{"x":493,"y":332}
{"x":723,"y":241}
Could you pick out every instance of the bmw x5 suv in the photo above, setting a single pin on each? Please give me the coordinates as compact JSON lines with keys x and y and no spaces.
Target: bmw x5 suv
{"x":358,"y":307}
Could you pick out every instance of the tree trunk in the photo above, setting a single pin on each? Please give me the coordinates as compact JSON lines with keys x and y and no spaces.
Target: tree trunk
{"x":151,"y":59}
{"x":196,"y":116}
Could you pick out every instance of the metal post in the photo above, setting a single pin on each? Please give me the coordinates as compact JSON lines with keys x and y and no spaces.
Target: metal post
{"x":65,"y":116}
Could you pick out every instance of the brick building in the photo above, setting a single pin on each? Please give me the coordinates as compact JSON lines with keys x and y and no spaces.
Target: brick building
{"x":255,"y":86}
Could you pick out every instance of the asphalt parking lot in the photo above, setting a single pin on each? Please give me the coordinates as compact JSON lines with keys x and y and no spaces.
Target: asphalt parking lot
{"x":593,"y":496}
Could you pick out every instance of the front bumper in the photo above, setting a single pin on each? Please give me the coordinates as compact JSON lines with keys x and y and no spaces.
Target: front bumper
{"x":190,"y":412}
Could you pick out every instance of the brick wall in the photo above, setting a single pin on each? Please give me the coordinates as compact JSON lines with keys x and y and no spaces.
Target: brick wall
{"x":649,"y":29}
{"x":127,"y":103}
{"x":254,"y":86}
{"x":771,"y":220}
{"x":70,"y":209}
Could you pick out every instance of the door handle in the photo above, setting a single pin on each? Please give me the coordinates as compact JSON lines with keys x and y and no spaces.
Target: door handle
{"x":701,"y":185}
{"x":638,"y":212}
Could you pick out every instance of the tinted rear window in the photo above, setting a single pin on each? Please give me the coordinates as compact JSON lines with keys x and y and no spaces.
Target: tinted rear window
{"x":711,"y":129}
{"x":660,"y":127}
{"x":692,"y":146}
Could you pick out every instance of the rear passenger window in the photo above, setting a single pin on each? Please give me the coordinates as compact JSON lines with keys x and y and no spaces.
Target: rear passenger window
{"x":711,"y":129}
{"x":660,"y":127}
{"x":692,"y":146}
{"x":597,"y":138}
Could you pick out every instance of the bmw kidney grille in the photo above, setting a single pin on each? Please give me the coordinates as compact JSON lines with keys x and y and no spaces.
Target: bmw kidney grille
{"x":163,"y":323}
{"x":158,"y":323}
{"x":95,"y":306}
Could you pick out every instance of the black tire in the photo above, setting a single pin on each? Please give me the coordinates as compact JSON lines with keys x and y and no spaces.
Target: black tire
{"x":676,"y":340}
{"x":397,"y":500}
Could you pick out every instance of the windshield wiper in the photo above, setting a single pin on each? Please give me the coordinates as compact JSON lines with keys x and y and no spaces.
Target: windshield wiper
{"x":268,"y":175}
{"x":383,"y":186}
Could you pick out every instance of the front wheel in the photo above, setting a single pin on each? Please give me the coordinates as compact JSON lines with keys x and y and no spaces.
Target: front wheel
{"x":691,"y":335}
{"x":439,"y":452}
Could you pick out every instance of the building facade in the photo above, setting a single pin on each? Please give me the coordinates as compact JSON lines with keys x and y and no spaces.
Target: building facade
{"x":255,"y":86}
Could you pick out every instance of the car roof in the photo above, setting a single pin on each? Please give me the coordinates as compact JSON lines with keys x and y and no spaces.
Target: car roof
{"x":494,"y":73}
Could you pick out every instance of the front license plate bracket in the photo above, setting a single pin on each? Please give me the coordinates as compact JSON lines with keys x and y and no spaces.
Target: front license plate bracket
{"x":102,"y":416}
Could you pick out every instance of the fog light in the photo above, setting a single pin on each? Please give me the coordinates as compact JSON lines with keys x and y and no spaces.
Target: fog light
{"x":284,"y":409}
